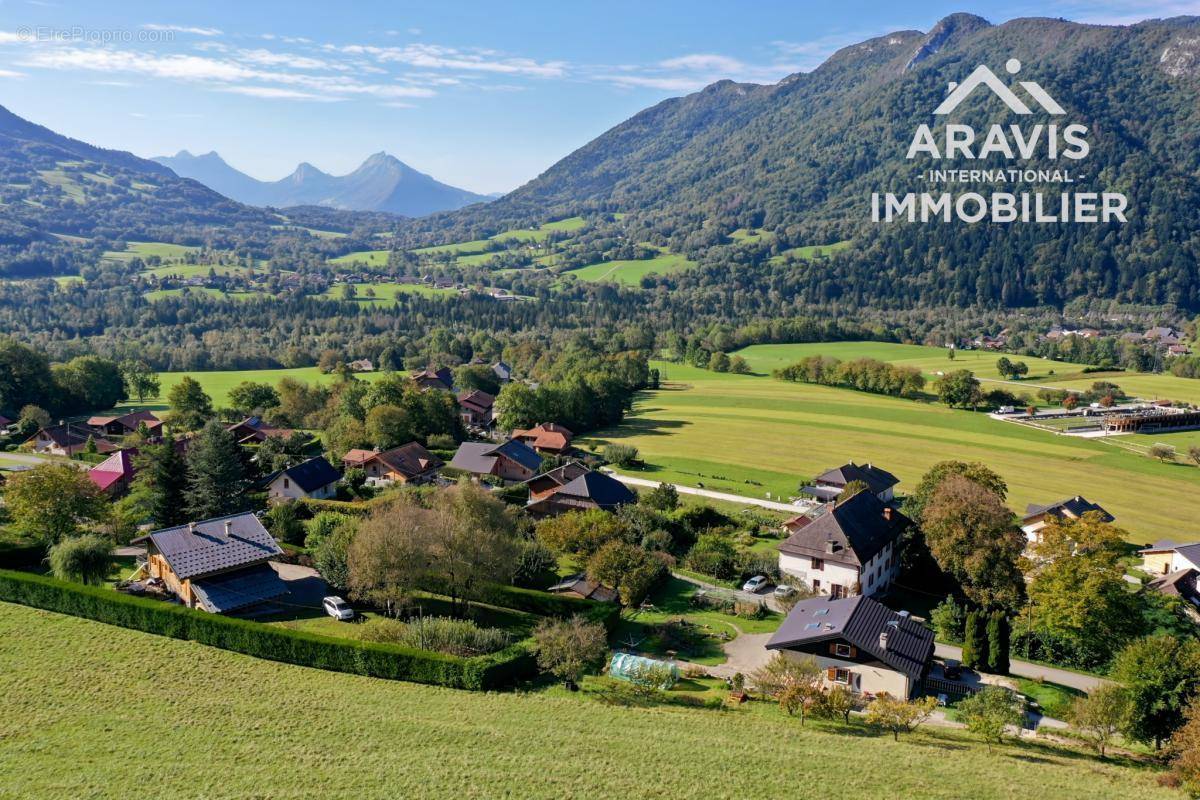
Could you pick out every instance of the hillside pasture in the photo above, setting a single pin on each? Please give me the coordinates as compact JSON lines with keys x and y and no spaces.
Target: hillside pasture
{"x":385,"y":293}
{"x":754,"y":435}
{"x":631,"y":271}
{"x":809,"y":252}
{"x":217,"y":384}
{"x":542,"y":232}
{"x":211,"y":291}
{"x":94,"y":709}
{"x":165,"y":251}
{"x":369,"y":258}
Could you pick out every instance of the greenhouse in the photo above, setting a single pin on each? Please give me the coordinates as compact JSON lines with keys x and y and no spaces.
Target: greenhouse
{"x":643,"y":671}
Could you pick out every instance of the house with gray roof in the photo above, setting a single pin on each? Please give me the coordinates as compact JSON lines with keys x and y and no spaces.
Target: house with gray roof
{"x":314,"y":479}
{"x":511,"y":461}
{"x":218,"y":565}
{"x":859,"y":643}
{"x":829,"y":485}
{"x":574,"y":487}
{"x":851,"y":548}
{"x":1165,"y":558}
{"x":1036,"y":516}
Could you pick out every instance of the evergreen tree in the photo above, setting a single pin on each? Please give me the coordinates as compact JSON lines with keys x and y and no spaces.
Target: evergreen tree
{"x":998,"y":643}
{"x":975,"y":643}
{"x":161,"y":483}
{"x":215,"y":474}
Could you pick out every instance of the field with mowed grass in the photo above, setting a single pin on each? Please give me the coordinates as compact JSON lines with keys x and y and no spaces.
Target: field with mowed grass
{"x":753,"y":434}
{"x":931,"y":360}
{"x":384,"y":293}
{"x":633,"y":270}
{"x":218,"y":384}
{"x":144,"y":250}
{"x":98,"y":711}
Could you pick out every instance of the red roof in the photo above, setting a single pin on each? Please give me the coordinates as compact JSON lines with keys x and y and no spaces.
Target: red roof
{"x":112,"y":470}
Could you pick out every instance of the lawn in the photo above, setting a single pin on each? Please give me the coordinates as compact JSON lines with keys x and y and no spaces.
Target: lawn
{"x":218,"y":384}
{"x":371,"y":258}
{"x":211,"y":291}
{"x":144,"y":250}
{"x":568,"y":225}
{"x":458,"y":248}
{"x":752,"y":435}
{"x":748,"y":236}
{"x":809,"y":252}
{"x":93,"y":710}
{"x":632,"y":271}
{"x":386,"y":293}
{"x":930,"y":360}
{"x":195,"y":270}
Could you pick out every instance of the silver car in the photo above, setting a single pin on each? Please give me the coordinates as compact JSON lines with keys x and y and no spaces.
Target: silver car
{"x":337,"y":608}
{"x":755,"y":584}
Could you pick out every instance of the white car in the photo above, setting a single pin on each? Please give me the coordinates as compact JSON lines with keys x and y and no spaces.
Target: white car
{"x":783,"y":590}
{"x":337,"y":608}
{"x":755,"y":584}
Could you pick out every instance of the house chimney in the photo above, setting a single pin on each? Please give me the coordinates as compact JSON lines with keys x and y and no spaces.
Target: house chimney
{"x":228,"y":528}
{"x":887,"y":513}
{"x":191,"y":527}
{"x":829,"y":545}
{"x":883,"y":640}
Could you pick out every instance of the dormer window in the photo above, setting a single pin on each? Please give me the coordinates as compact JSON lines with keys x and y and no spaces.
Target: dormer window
{"x":841,"y":650}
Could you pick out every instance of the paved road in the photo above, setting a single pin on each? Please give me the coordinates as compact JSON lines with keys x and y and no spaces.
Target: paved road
{"x":33,"y":459}
{"x":1063,"y":677}
{"x":795,"y":508}
{"x":767,"y":597}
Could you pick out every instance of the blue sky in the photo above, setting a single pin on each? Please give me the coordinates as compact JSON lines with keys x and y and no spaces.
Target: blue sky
{"x":483,"y":95}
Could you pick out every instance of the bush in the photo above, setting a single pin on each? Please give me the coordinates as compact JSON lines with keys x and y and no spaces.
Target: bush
{"x":713,"y":554}
{"x":84,"y":559}
{"x":949,"y":620}
{"x":535,"y":565}
{"x":394,"y":662}
{"x":458,"y":637}
{"x":622,"y":455}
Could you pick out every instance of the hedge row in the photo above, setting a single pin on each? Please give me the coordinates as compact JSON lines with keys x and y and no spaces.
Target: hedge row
{"x":545,"y":604}
{"x":267,"y":641}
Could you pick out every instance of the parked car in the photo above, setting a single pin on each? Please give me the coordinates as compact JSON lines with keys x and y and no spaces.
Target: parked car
{"x":951,"y":669}
{"x":337,"y":608}
{"x":783,"y":590}
{"x":755,"y":584}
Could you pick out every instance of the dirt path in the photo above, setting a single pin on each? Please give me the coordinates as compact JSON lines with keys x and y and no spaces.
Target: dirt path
{"x":794,"y":508}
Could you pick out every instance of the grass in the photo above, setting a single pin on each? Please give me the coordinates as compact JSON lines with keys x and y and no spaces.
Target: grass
{"x":751,"y":435}
{"x":92,"y":710}
{"x":196,"y":270}
{"x":809,"y":252}
{"x":749,"y":236}
{"x":144,"y":250}
{"x":458,"y":248}
{"x":1054,"y":699}
{"x":930,"y":360}
{"x":632,"y":271}
{"x":211,"y":291}
{"x":540,"y":233}
{"x":519,"y":624}
{"x":217,"y":384}
{"x":386,"y":293}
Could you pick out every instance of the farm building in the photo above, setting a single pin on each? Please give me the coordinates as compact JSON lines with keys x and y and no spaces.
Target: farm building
{"x":1164,"y":558}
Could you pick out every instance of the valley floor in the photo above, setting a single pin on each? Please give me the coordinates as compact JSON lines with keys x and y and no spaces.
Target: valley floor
{"x":98,"y":711}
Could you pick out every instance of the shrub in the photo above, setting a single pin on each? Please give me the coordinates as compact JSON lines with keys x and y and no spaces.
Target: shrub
{"x":458,"y":637}
{"x":713,"y":554}
{"x":623,"y":455}
{"x":441,"y":441}
{"x":949,"y":620}
{"x":84,"y":559}
{"x":284,"y":523}
{"x":535,"y":564}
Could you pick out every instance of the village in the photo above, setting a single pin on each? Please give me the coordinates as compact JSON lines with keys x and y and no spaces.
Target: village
{"x":858,"y":595}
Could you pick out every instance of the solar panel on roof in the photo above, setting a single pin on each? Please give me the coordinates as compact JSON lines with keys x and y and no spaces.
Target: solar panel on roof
{"x":812,"y":626}
{"x":820,"y":612}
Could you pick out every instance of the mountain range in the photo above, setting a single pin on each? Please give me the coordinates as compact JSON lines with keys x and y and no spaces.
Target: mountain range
{"x":381,"y":183}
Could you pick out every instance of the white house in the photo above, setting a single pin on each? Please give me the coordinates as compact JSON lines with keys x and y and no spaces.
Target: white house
{"x":1075,"y":507}
{"x":1164,"y":558}
{"x":853,"y":548}
{"x":314,"y":479}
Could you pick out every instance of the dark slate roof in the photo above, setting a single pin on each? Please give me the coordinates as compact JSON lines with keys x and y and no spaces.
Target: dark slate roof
{"x":858,"y":528}
{"x":878,"y":480}
{"x":1181,"y":583}
{"x":480,"y":400}
{"x":410,"y":459}
{"x":311,"y":475}
{"x":230,"y":591}
{"x":1075,"y":506}
{"x":519,"y":452}
{"x":474,"y":457}
{"x":603,"y":490}
{"x":858,"y":620}
{"x":206,"y":547}
{"x":559,"y":476}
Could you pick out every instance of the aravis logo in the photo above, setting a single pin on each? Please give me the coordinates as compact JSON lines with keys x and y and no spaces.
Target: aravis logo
{"x":982,"y":76}
{"x":999,"y":146}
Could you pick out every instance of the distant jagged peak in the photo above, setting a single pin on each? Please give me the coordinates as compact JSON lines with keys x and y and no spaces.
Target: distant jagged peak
{"x":947,"y":31}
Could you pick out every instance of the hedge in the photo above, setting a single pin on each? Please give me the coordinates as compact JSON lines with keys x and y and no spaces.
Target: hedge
{"x":545,"y":604}
{"x":102,"y":604}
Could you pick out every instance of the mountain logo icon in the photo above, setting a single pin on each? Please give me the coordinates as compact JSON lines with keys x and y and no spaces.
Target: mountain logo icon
{"x":982,"y":76}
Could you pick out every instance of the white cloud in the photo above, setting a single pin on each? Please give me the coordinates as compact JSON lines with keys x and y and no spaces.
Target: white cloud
{"x":8,"y":73}
{"x":8,"y":37}
{"x":706,"y":62}
{"x":153,"y":26}
{"x":276,"y":93}
{"x":429,"y":56}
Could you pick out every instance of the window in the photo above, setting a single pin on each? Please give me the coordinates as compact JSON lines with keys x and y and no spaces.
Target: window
{"x":841,"y":650}
{"x":841,"y":676}
{"x":816,"y":585}
{"x":818,"y":564}
{"x":285,"y":483}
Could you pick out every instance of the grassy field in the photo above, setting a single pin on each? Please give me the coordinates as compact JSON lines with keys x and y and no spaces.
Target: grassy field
{"x":386,"y":293}
{"x":809,"y":252}
{"x":211,"y":291}
{"x":144,"y":250}
{"x":195,"y":270}
{"x":568,"y":225}
{"x":218,"y":384}
{"x":931,"y":360}
{"x":754,"y":435}
{"x":97,"y":711}
{"x":459,"y":248}
{"x":632,"y":271}
{"x":751,"y":236}
{"x":372,"y":258}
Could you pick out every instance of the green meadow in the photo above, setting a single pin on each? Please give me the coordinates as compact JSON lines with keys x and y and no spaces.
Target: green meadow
{"x":217,"y":384}
{"x":632,"y":271}
{"x":97,"y":711}
{"x":458,"y":248}
{"x":754,"y":435}
{"x":540,"y":233}
{"x":160,"y":294}
{"x":385,"y":293}
{"x":144,"y":250}
{"x":809,"y":252}
{"x":932,"y":360}
{"x":371,"y":258}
